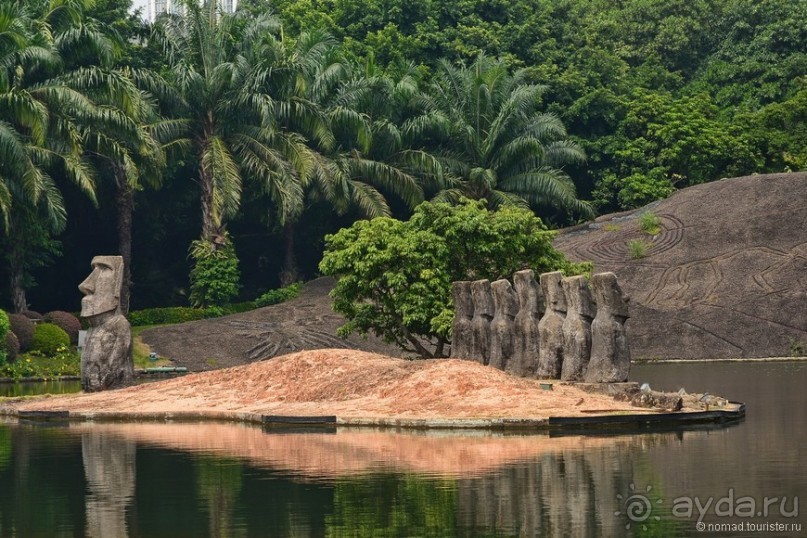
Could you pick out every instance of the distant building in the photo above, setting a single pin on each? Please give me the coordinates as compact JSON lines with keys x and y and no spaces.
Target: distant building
{"x":158,"y":7}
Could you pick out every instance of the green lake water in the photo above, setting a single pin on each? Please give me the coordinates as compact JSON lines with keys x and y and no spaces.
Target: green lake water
{"x":178,"y":480}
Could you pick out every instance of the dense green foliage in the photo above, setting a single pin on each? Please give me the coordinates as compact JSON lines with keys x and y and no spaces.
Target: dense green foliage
{"x":63,"y":362}
{"x":214,"y":277}
{"x":292,"y":118}
{"x":279,"y":295}
{"x":50,"y":339}
{"x":395,"y":277}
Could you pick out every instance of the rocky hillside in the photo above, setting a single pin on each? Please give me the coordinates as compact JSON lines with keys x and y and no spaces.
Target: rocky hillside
{"x":724,"y":276}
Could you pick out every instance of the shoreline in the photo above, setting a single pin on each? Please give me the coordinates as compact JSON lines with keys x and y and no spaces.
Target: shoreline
{"x":165,"y":375}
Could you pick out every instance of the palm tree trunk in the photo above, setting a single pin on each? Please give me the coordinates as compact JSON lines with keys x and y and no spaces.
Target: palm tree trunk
{"x":16,"y":269}
{"x":209,"y":228}
{"x":289,"y":274}
{"x":125,"y":203}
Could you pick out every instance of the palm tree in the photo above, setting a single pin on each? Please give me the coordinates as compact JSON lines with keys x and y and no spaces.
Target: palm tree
{"x":493,"y":141}
{"x":39,"y":129}
{"x":223,"y":119}
{"x":369,"y":155}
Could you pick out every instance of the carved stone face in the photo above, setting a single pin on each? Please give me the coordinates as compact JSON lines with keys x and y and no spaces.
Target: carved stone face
{"x":463,"y":301}
{"x":483,"y":299}
{"x":102,"y":288}
{"x":608,"y":295}
{"x":553,"y":291}
{"x":578,"y":296}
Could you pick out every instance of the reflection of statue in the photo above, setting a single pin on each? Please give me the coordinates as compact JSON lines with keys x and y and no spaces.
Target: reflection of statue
{"x":483,"y":314}
{"x":109,"y":466}
{"x":550,"y":353}
{"x":106,"y":359}
{"x":461,"y":329}
{"x":610,"y":355}
{"x":526,"y":338}
{"x":505,"y":301}
{"x":576,"y":328}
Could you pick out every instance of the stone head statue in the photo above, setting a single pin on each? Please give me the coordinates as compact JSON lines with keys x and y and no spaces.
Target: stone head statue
{"x":553,"y":291}
{"x":529,"y":293}
{"x":578,"y":296}
{"x":608,"y":295}
{"x":463,"y":301}
{"x":483,"y":300}
{"x":505,"y":299}
{"x":102,"y":288}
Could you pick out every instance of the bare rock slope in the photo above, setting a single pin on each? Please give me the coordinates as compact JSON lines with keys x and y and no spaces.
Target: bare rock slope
{"x":725,"y":277}
{"x":305,"y":322}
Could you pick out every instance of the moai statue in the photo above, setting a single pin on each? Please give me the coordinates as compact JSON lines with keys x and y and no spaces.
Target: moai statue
{"x":580,"y":311}
{"x":550,"y":328}
{"x":106,"y":359}
{"x":462,"y":328}
{"x":505,"y":303}
{"x":526,"y":339}
{"x":480,"y":324}
{"x":610,"y":355}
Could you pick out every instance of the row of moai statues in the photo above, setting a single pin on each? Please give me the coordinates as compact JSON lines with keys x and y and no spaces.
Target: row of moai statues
{"x":560,"y":329}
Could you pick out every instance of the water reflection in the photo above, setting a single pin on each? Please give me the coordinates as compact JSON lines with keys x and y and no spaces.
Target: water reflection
{"x":109,"y":467}
{"x":231,"y":480}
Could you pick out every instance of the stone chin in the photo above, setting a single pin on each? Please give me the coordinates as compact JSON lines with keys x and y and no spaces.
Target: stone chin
{"x":91,"y":307}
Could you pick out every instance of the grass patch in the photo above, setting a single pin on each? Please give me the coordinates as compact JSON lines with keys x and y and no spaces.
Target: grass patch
{"x":638,"y":248}
{"x":611,"y":227}
{"x":141,"y":350}
{"x":650,"y":223}
{"x":797,"y":348}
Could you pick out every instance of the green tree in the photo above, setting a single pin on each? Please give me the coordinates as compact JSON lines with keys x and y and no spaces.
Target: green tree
{"x":395,"y":277}
{"x":495,"y":144}
{"x":41,"y":119}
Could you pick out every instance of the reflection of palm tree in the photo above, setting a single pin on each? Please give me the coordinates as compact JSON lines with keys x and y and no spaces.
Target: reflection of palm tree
{"x":219,"y":484}
{"x":495,"y":144}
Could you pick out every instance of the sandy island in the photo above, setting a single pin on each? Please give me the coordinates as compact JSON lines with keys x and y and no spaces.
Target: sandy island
{"x":354,"y":386}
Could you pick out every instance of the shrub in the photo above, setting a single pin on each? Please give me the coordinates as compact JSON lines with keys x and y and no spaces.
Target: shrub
{"x":67,"y":321}
{"x":11,"y":346}
{"x":5,"y":324}
{"x":215,"y":276}
{"x":279,"y":295}
{"x":638,"y":248}
{"x":395,"y":277}
{"x":23,"y":327}
{"x":165,"y":316}
{"x":50,"y":339}
{"x":650,"y":223}
{"x":32,"y":314}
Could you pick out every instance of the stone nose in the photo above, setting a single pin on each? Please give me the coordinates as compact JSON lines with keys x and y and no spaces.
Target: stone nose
{"x":88,"y":286}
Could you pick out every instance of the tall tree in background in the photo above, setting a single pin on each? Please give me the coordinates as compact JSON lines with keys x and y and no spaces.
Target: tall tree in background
{"x":221,"y":66}
{"x":495,"y":144}
{"x":371,"y":154}
{"x":39,"y":122}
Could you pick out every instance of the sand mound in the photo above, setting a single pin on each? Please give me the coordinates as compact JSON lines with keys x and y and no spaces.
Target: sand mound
{"x":348,"y":384}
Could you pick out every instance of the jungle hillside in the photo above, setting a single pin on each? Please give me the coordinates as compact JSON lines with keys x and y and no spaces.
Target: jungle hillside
{"x":215,"y":152}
